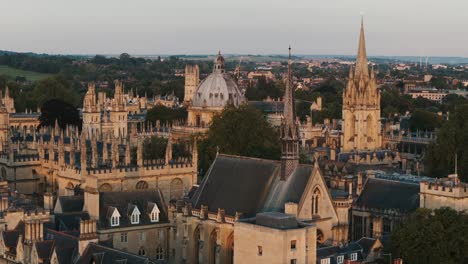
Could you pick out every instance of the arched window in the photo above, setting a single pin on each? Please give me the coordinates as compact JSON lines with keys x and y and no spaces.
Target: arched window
{"x":105,"y":187}
{"x":141,"y":185}
{"x":70,"y":186}
{"x":369,"y":128}
{"x":315,"y":201}
{"x":177,"y":188}
{"x":159,"y":253}
{"x":142,"y":251}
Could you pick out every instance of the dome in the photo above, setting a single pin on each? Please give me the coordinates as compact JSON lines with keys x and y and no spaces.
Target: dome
{"x":218,"y":89}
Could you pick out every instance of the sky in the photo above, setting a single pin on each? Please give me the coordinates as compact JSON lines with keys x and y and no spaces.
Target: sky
{"x":143,"y":27}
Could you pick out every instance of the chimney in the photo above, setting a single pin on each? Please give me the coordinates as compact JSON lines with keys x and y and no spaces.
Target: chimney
{"x":290,"y":208}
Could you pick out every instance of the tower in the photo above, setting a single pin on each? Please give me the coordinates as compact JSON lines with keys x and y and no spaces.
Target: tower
{"x":289,"y":130}
{"x":361,"y":106}
{"x":192,"y":77}
{"x":91,"y":112}
{"x":118,"y":113}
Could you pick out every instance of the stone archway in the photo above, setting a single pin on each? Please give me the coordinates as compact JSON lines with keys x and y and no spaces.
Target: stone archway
{"x":197,"y":244}
{"x":230,"y":249}
{"x":213,"y":246}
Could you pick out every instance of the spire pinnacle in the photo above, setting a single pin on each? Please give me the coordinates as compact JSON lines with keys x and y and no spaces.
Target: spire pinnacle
{"x":361,"y":59}
{"x":289,"y":116}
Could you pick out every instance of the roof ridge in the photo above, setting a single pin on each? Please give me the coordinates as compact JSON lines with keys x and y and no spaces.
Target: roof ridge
{"x":246,"y":157}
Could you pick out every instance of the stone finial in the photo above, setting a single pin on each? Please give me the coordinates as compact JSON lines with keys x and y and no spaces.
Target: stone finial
{"x":220,"y":218}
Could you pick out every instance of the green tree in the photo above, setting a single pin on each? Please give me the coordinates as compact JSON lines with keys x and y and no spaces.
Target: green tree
{"x":63,"y":112}
{"x":426,"y":237}
{"x":240,"y":131}
{"x":165,"y":114}
{"x":452,"y":139}
{"x":55,"y":88}
{"x":424,"y":120}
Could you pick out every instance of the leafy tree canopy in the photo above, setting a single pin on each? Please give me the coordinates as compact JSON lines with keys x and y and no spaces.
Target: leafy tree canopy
{"x":240,"y":131}
{"x":55,"y":88}
{"x":166,"y":114}
{"x":424,"y":120}
{"x":63,"y":112}
{"x":452,"y":139}
{"x":426,"y":237}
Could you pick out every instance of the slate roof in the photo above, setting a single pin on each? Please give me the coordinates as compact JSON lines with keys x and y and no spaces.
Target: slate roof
{"x":122,"y":201}
{"x":65,"y":245}
{"x":333,"y":252}
{"x":71,"y":203}
{"x":105,"y":255}
{"x":44,"y":249}
{"x":10,"y":237}
{"x":384,"y":194}
{"x":236,"y":184}
{"x":249,"y":185}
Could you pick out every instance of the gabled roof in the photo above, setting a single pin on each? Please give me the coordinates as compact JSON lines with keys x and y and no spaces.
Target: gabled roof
{"x":236,"y":184}
{"x":384,"y":194}
{"x":105,"y":255}
{"x":44,"y":249}
{"x":109,"y":201}
{"x":10,"y":237}
{"x":249,"y":186}
{"x":70,"y":204}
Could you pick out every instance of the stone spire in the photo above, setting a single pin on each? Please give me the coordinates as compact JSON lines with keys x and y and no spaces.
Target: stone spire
{"x":289,"y":114}
{"x":361,"y":59}
{"x":289,"y":129}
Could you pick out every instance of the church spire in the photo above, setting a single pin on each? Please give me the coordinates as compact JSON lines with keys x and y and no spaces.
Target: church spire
{"x":289,"y":130}
{"x":289,"y":115}
{"x":361,"y":60}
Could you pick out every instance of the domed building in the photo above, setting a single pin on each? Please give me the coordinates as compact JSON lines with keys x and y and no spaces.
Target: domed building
{"x":212,"y":95}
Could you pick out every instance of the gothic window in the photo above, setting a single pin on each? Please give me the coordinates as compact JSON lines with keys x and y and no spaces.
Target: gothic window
{"x":141,"y":252}
{"x":369,"y":128}
{"x":177,"y":189}
{"x":141,"y":185}
{"x":316,"y":201}
{"x":159,"y":253}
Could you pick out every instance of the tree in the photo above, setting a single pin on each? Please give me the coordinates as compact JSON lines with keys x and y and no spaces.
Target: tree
{"x":63,"y":112}
{"x":240,"y":131}
{"x":424,"y":120}
{"x":165,"y":114}
{"x":426,"y":237}
{"x":264,"y":89}
{"x":452,"y":139}
{"x":55,"y":88}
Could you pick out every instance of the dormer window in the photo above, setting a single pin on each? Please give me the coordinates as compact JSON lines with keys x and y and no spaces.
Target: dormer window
{"x":115,"y":217}
{"x":153,"y":212}
{"x":135,"y":216}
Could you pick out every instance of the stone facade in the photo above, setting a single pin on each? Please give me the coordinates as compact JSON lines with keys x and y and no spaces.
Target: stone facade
{"x":361,"y":106}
